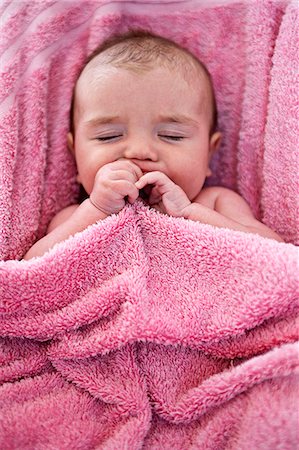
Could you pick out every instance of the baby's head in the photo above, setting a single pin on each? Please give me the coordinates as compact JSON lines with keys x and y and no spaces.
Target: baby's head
{"x":142,"y":97}
{"x":141,"y":51}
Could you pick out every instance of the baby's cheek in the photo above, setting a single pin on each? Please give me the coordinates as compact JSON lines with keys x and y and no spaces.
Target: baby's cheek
{"x":183,"y":182}
{"x":88,"y":181}
{"x":195,"y":182}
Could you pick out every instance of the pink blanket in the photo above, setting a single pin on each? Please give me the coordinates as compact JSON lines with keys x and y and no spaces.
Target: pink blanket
{"x":146,"y":331}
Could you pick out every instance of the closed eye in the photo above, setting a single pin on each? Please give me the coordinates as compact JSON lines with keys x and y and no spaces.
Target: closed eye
{"x":108,"y":138}
{"x":171,"y":138}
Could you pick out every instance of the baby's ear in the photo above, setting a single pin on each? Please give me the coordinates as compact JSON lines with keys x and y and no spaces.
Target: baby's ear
{"x":215,"y":142}
{"x":70,"y":142}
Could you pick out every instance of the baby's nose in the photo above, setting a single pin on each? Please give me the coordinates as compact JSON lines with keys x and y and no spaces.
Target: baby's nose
{"x":141,"y":149}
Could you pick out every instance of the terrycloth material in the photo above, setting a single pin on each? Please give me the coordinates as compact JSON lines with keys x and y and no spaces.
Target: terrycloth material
{"x":250,"y":48}
{"x":146,"y":331}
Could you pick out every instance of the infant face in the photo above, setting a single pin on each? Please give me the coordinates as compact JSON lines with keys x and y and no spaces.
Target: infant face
{"x":157,"y":119}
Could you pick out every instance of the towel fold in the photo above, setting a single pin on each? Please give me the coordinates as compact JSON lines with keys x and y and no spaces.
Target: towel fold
{"x":153,"y":329}
{"x":146,"y":331}
{"x":254,"y":71}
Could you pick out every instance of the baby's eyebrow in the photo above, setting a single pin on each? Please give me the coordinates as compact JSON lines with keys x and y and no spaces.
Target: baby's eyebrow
{"x":173,"y":118}
{"x":178,"y":118}
{"x":101,"y":121}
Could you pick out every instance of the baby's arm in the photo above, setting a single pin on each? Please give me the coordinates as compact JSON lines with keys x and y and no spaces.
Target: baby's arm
{"x":113,"y":184}
{"x":66,"y":223}
{"x":229,"y":209}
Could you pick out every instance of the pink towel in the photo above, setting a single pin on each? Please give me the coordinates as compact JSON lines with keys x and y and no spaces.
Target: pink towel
{"x":250,"y":48}
{"x":146,"y":331}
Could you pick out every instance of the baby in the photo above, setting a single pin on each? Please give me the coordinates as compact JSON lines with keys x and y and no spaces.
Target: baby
{"x":143,"y":125}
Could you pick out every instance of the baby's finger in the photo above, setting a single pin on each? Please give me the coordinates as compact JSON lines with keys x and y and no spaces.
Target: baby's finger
{"x":122,"y":174}
{"x":125,"y":189}
{"x":133,"y":168}
{"x":151,"y":178}
{"x":155,"y":195}
{"x":132,"y":193}
{"x":143,"y":180}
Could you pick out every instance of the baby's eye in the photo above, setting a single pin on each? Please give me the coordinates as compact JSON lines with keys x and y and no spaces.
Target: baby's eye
{"x":108,"y":138}
{"x":171,"y":137}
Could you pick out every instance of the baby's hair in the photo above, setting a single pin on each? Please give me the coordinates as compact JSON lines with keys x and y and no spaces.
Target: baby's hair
{"x":140,"y":51}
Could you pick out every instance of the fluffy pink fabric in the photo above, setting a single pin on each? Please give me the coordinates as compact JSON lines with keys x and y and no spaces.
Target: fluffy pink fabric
{"x":154,"y":332}
{"x":250,"y":49}
{"x":146,"y":331}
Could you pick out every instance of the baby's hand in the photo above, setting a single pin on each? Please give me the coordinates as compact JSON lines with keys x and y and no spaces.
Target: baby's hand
{"x":166,"y":196}
{"x":114,"y":183}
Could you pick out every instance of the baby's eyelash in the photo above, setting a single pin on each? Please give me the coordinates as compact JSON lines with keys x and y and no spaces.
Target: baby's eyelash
{"x":173,"y":138}
{"x":165,"y":136}
{"x":108,"y":138}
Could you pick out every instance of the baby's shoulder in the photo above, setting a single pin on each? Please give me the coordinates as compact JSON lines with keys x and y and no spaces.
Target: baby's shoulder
{"x":225,"y":201}
{"x":209,"y":195}
{"x":61,"y":217}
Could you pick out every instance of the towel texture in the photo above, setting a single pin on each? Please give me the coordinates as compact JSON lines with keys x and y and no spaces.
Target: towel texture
{"x":146,"y":331}
{"x":154,"y":332}
{"x":254,"y":68}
